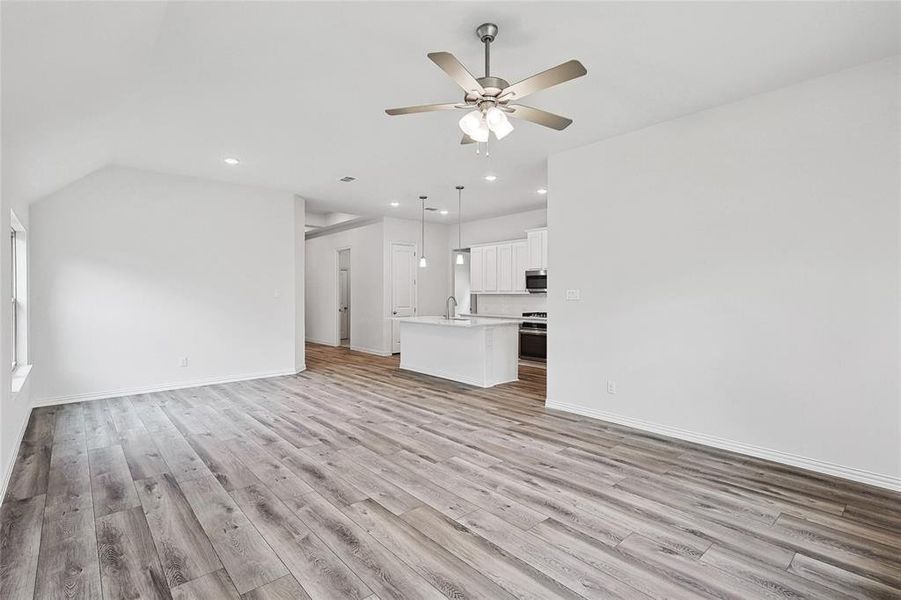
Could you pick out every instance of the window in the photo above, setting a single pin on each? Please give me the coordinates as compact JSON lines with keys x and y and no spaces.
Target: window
{"x":18,"y":300}
{"x":14,"y":316}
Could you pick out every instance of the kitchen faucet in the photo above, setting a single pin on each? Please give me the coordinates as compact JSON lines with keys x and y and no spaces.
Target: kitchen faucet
{"x":450,"y":311}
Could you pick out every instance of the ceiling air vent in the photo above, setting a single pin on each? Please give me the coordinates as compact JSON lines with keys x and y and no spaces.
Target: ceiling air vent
{"x":347,"y":179}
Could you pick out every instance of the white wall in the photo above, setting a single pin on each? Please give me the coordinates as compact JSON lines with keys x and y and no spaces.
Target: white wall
{"x":316,"y":220}
{"x":367,"y":312}
{"x":370,"y":325}
{"x":432,"y":281}
{"x":133,"y":270}
{"x":462,"y":284}
{"x":299,"y":275}
{"x":739,"y":274}
{"x":497,"y":229}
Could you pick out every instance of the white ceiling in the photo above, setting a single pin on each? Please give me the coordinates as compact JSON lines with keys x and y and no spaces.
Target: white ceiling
{"x":297,"y":91}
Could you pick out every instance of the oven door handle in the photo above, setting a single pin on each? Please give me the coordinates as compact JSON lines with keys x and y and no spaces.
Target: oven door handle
{"x":540,"y":332}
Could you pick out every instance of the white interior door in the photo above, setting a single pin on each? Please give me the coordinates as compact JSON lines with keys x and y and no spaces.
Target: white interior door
{"x":343,"y":304}
{"x":403,"y":287}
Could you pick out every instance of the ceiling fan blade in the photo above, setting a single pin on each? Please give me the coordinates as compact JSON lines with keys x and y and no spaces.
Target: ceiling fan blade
{"x":409,"y":110}
{"x":453,"y":67}
{"x":467,"y":140}
{"x":561,"y":73}
{"x":542,"y":117}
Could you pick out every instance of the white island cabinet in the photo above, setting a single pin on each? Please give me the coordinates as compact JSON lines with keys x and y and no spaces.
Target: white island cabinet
{"x":481,"y":352}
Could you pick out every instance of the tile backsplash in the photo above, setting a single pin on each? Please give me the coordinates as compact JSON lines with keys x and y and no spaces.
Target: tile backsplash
{"x":501,"y":304}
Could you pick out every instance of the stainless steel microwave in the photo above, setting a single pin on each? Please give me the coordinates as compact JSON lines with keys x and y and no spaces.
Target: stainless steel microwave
{"x":536,"y":281}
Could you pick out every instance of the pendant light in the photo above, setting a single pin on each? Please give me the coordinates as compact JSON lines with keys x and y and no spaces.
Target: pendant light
{"x":460,"y":225}
{"x":423,"y":263}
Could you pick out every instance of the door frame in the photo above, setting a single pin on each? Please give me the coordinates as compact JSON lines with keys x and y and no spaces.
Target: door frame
{"x":337,"y":340}
{"x":390,"y":306}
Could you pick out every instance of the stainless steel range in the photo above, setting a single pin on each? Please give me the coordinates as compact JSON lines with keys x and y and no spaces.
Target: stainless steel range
{"x":533,"y":337}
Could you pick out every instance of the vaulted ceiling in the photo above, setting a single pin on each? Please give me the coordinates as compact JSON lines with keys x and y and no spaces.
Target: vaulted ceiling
{"x":297,"y":91}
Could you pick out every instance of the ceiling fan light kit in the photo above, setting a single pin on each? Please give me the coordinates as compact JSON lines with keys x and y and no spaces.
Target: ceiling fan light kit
{"x":498,"y":122}
{"x":491,"y":100}
{"x":475,"y":125}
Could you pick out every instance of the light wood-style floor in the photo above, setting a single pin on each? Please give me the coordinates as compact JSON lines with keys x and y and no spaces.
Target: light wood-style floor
{"x":356,"y":480}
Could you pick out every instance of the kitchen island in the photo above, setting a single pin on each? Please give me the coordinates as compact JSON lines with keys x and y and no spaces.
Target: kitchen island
{"x":480,"y":352}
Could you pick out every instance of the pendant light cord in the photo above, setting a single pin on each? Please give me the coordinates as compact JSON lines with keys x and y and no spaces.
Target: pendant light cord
{"x":460,"y":217}
{"x":422,"y":235}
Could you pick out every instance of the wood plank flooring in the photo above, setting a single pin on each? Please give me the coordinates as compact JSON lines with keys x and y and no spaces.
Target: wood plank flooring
{"x":357,"y":480}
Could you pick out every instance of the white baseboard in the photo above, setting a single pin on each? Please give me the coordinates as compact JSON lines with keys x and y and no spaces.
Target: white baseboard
{"x":454,"y":376}
{"x":370,"y":351}
{"x":12,"y":463}
{"x":443,"y":375}
{"x":68,"y":399}
{"x":794,"y":460}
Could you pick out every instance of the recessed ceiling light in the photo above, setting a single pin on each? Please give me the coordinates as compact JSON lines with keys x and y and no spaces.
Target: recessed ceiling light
{"x":395,"y":204}
{"x":542,"y":191}
{"x":490,"y":177}
{"x":231,"y":161}
{"x":443,"y":212}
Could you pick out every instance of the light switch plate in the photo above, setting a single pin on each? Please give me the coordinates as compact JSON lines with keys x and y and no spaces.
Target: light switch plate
{"x":611,"y":387}
{"x":573,"y":294}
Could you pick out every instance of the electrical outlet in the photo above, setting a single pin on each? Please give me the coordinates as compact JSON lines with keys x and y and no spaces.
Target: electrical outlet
{"x":611,"y":386}
{"x":573,"y":294}
{"x":183,"y":361}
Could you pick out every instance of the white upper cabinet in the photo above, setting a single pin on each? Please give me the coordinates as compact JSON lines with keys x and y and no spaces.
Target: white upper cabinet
{"x":520,"y":265}
{"x":505,"y":268}
{"x":499,"y":268}
{"x":537,"y":239}
{"x":489,"y":269}
{"x":477,"y":270}
{"x":534,"y":241}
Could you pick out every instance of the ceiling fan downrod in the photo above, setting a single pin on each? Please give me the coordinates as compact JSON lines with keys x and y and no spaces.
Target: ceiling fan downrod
{"x":487,"y":32}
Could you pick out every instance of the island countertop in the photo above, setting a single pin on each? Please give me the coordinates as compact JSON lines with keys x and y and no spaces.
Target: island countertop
{"x":459,"y":322}
{"x":513,"y":317}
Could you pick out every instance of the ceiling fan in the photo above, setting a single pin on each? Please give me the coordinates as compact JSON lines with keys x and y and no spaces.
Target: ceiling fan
{"x":490,"y":99}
